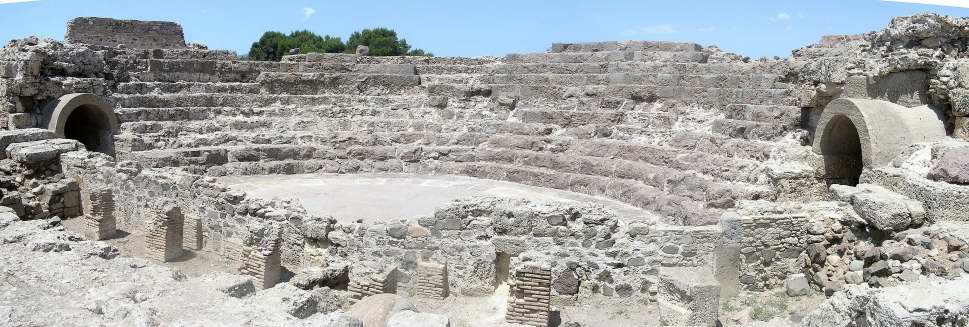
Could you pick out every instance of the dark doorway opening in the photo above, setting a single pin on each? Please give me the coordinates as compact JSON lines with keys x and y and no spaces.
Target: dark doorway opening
{"x":91,"y":127}
{"x":841,"y":148}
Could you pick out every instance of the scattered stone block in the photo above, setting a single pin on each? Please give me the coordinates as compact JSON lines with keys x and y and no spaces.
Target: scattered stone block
{"x":232,"y":285}
{"x":20,"y":136}
{"x":797,"y":285}
{"x":38,"y":153}
{"x":952,"y":166}
{"x":530,"y":292}
{"x":432,"y":281}
{"x":375,"y":310}
{"x":688,"y":297}
{"x":884,"y":209}
{"x":363,"y":50}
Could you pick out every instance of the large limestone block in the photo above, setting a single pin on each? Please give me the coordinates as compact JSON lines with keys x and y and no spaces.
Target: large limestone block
{"x":952,"y":166}
{"x":21,"y":135}
{"x":41,"y":152}
{"x":881,"y":208}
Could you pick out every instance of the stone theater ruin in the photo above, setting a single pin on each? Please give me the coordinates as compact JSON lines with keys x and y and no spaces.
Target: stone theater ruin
{"x":148,"y":181}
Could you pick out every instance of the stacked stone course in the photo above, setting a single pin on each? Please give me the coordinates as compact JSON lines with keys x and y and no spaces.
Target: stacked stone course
{"x":530,"y":292}
{"x":366,"y":284}
{"x":194,"y":233}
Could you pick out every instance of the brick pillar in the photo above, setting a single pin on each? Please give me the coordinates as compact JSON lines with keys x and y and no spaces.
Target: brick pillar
{"x":265,"y":265}
{"x":99,"y":223}
{"x":193,"y":233}
{"x":530,"y":291}
{"x":164,"y":239}
{"x":432,"y":280}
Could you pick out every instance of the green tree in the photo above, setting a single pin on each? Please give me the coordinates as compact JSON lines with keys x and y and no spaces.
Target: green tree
{"x":382,"y":42}
{"x":275,"y":45}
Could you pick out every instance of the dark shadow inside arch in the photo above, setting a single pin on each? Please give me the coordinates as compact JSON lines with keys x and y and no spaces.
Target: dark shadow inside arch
{"x":841,"y":148}
{"x":91,"y":127}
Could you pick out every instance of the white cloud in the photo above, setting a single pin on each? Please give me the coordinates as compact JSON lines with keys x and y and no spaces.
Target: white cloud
{"x":947,"y":3}
{"x":781,"y":17}
{"x":3,"y":2}
{"x":308,"y":12}
{"x":655,"y":29}
{"x":707,"y":29}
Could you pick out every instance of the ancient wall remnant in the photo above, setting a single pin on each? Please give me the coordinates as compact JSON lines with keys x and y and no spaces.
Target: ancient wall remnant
{"x":368,"y":282}
{"x":84,"y":117}
{"x":194,"y":233}
{"x":130,"y":33}
{"x":163,"y":241}
{"x":529,"y":295}
{"x":264,"y":265}
{"x":432,"y":281}
{"x":99,"y":214}
{"x":688,"y":297}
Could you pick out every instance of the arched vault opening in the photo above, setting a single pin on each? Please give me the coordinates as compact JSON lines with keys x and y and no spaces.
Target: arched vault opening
{"x":87,"y":118}
{"x":854,"y":134}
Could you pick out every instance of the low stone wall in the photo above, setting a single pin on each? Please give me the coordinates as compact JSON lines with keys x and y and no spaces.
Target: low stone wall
{"x":589,"y":249}
{"x":130,"y":33}
{"x":231,"y":224}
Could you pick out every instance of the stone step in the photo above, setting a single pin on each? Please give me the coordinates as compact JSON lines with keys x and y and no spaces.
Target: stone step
{"x":627,"y":45}
{"x":751,"y":130}
{"x":568,"y":118}
{"x":746,"y":81}
{"x":181,"y":54}
{"x":722,"y":145}
{"x":340,"y":83}
{"x":266,"y":100}
{"x":681,"y":209}
{"x":711,"y":97}
{"x":751,"y":68}
{"x":610,"y":56}
{"x":186,"y":87}
{"x":189,"y":70}
{"x":785,"y":115}
{"x":709,"y":164}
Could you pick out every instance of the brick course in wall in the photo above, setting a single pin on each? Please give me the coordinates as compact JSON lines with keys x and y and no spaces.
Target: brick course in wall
{"x":432,"y":280}
{"x":99,"y":222}
{"x":163,"y":241}
{"x":530,"y":295}
{"x":130,"y":33}
{"x":264,"y":265}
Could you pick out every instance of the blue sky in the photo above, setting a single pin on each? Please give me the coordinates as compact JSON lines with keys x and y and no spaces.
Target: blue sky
{"x":494,"y":27}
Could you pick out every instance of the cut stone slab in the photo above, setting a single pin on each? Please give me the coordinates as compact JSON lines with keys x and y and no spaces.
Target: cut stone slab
{"x":688,"y":297}
{"x":20,"y":136}
{"x":36,"y":153}
{"x":236,"y":286}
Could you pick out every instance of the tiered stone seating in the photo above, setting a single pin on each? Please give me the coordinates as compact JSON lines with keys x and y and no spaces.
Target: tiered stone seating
{"x":648,"y":123}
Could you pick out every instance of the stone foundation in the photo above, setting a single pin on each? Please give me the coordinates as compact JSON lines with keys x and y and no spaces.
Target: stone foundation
{"x":530,"y":292}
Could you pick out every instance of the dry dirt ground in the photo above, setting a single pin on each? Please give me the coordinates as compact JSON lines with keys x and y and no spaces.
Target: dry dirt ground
{"x":385,"y":197}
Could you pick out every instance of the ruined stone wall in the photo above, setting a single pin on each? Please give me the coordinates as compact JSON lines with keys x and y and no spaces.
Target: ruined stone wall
{"x":129,"y":33}
{"x":231,"y":223}
{"x":604,"y":256}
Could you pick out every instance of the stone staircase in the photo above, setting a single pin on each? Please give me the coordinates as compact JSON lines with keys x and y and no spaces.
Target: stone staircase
{"x":652,"y":124}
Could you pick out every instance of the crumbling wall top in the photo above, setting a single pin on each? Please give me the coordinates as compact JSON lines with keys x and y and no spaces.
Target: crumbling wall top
{"x":130,"y":33}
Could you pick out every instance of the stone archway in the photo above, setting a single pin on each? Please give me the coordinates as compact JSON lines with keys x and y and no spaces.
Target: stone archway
{"x":854,"y":134}
{"x":87,"y":118}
